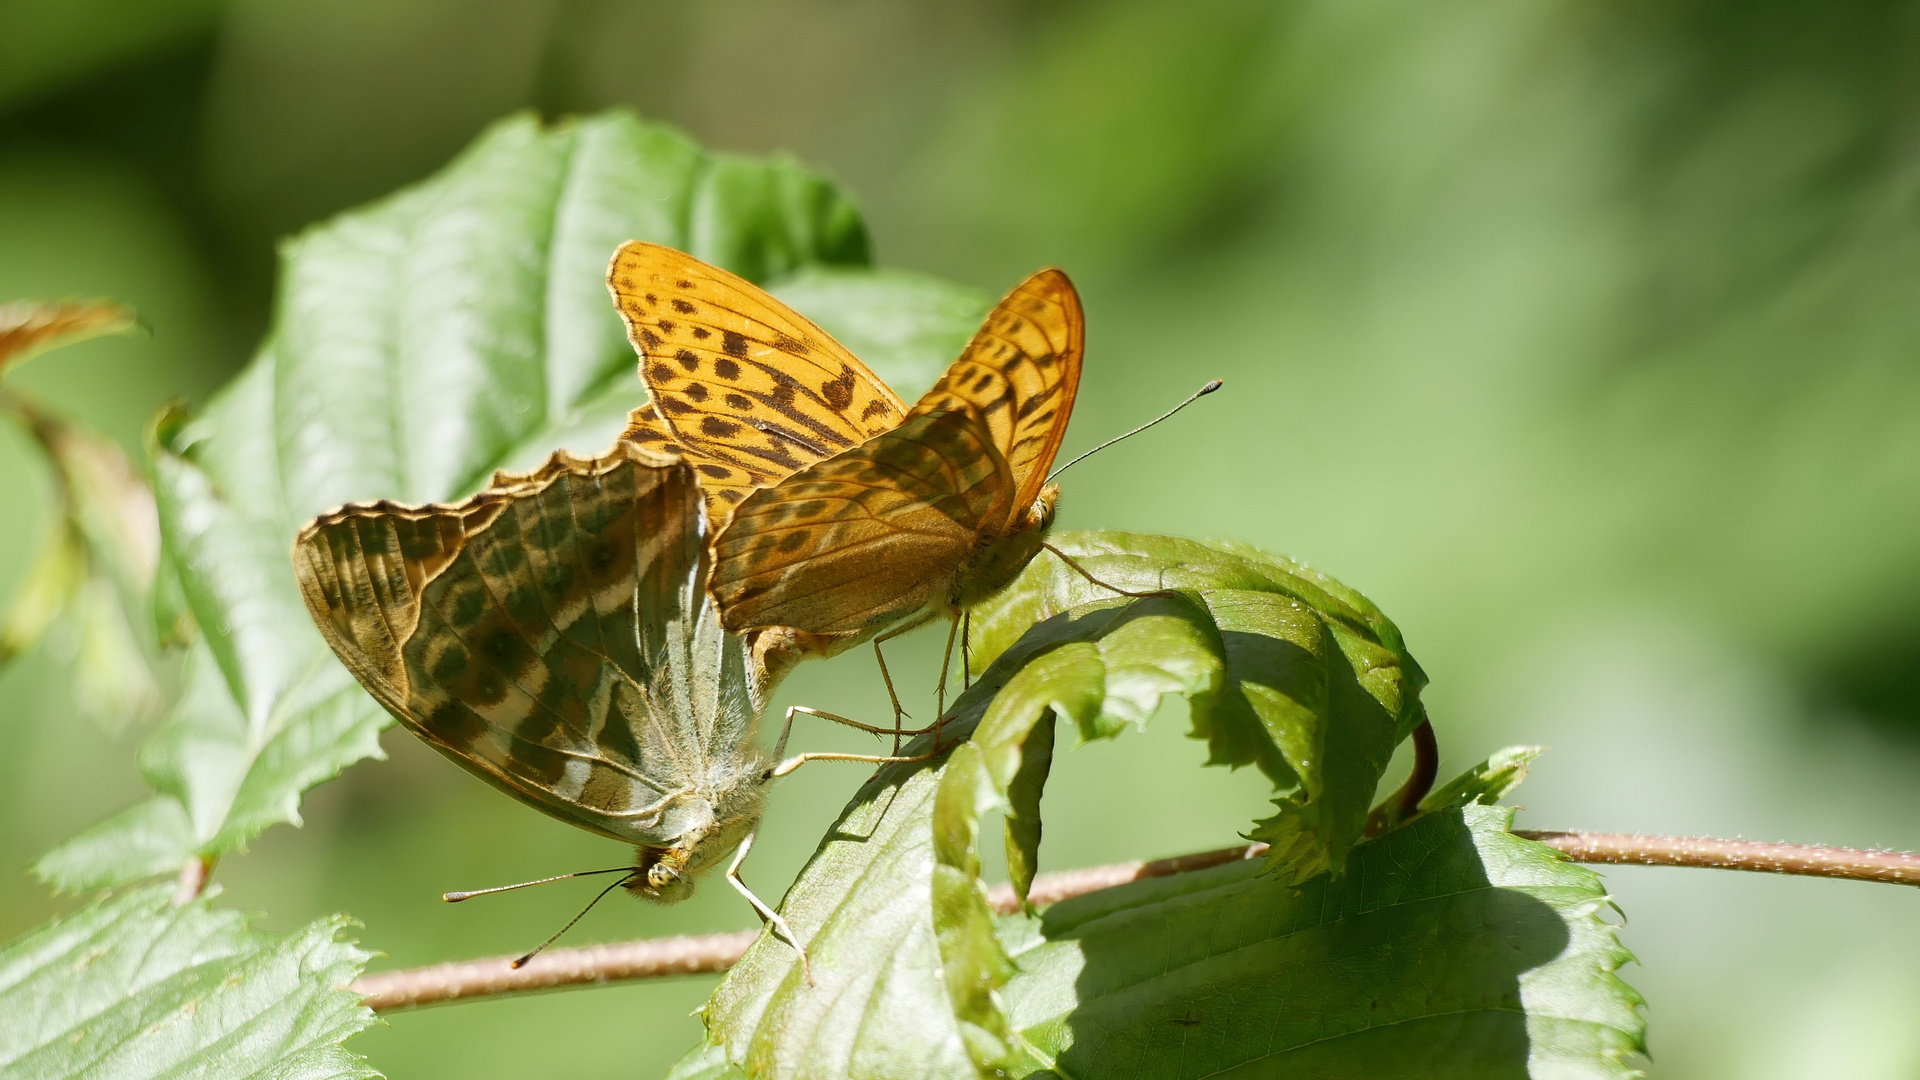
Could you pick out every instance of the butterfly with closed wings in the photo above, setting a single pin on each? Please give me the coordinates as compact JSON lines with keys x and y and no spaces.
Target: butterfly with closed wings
{"x":553,"y":635}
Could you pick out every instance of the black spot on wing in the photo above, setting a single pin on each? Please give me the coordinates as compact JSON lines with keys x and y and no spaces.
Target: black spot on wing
{"x":838,"y":392}
{"x":734,"y":343}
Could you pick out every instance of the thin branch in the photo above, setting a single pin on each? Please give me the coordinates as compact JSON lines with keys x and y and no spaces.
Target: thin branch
{"x":193,"y":878}
{"x":389,"y":991}
{"x":1893,"y":867}
{"x":413,"y":987}
{"x":1426,"y":768}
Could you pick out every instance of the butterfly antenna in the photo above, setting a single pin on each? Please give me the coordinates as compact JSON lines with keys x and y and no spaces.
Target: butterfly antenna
{"x":540,"y":948}
{"x":1212,"y":385}
{"x":456,"y":897}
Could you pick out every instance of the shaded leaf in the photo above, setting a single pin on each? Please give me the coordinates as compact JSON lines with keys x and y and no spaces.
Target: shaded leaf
{"x":129,"y":987}
{"x":455,"y":328}
{"x":1103,"y":670}
{"x":1451,"y":948}
{"x":1317,"y":688}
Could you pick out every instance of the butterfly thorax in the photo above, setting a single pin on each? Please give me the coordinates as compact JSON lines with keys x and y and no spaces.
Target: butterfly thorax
{"x":997,"y":560}
{"x":707,"y":823}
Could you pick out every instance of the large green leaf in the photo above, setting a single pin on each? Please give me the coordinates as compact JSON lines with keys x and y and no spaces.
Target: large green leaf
{"x":1316,"y":687}
{"x":1450,"y":949}
{"x":130,"y":988}
{"x":1281,"y":667}
{"x":452,"y":329}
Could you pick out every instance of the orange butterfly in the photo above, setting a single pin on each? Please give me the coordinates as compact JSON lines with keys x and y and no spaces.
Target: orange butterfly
{"x":844,"y":511}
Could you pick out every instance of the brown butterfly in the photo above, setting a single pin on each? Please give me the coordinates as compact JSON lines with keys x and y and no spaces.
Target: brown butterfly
{"x":553,"y":635}
{"x":844,"y":511}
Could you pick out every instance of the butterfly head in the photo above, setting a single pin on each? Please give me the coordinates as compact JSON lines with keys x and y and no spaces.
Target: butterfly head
{"x":1040,"y":515}
{"x":708,"y":824}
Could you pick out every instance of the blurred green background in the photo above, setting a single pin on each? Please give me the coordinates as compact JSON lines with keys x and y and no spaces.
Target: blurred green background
{"x":1584,"y":338}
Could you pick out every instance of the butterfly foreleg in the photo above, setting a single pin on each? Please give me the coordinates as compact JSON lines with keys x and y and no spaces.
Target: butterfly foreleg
{"x":766,"y":913}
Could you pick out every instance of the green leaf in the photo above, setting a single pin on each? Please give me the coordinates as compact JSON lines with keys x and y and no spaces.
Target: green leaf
{"x":96,"y":565}
{"x":455,"y":328}
{"x":1317,"y":687}
{"x":1451,"y":948}
{"x":705,"y":1062}
{"x":1488,"y":782}
{"x":131,"y":988}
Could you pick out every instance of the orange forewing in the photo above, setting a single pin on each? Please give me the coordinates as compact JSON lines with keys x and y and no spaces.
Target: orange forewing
{"x":936,"y":510}
{"x":1020,"y":374}
{"x":749,"y":389}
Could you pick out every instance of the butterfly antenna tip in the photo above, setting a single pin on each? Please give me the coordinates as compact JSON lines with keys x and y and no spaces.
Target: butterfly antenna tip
{"x":1210,"y":387}
{"x":555,"y":936}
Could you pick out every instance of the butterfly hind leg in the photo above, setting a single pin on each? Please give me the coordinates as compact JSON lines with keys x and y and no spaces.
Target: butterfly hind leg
{"x":766,"y":913}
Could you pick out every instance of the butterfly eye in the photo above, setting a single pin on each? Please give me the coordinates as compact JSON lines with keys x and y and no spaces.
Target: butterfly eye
{"x":661,"y":875}
{"x":1040,"y":514}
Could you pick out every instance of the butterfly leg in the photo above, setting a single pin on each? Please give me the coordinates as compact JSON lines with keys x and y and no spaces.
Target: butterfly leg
{"x":1082,"y":571}
{"x":946,"y":658}
{"x":771,"y":916}
{"x":966,"y":651}
{"x":787,"y":765}
{"x":899,"y":713}
{"x":886,"y":677}
{"x":780,"y":747}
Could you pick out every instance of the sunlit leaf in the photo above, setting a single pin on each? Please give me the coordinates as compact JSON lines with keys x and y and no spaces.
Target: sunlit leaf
{"x":1488,"y":782}
{"x":458,"y":327}
{"x":131,"y":988}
